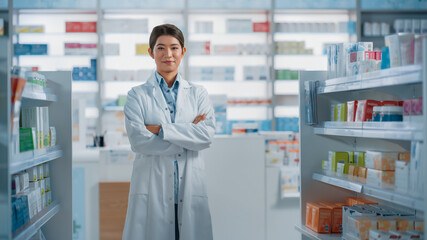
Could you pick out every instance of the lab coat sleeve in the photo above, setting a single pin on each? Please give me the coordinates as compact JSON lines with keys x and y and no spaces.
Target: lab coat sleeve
{"x":191,"y":136}
{"x":142,"y":140}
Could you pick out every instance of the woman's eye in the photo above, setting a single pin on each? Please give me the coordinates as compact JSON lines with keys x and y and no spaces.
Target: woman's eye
{"x":160,"y":48}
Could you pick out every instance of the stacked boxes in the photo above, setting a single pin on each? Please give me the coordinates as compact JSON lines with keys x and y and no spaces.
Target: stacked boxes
{"x":413,"y":110}
{"x":30,"y":49}
{"x":287,"y":74}
{"x":381,"y":166}
{"x":255,"y":73}
{"x":35,"y":118}
{"x":29,"y":28}
{"x":292,"y":48}
{"x":239,"y":26}
{"x":80,"y":49}
{"x":85,"y":73}
{"x":401,"y":49}
{"x":80,"y":27}
{"x":31,"y":191}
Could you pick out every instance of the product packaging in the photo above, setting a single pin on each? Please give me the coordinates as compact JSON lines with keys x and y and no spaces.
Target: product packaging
{"x":343,"y":168}
{"x":309,"y":215}
{"x":336,"y":221}
{"x":353,"y":172}
{"x":46,"y":169}
{"x":362,"y":173}
{"x":402,"y":176}
{"x":386,"y":224}
{"x":401,"y":47}
{"x":359,"y":158}
{"x":352,"y":211}
{"x":360,"y":226}
{"x":1,"y":27}
{"x":16,"y":185}
{"x":416,"y":171}
{"x":382,"y":179}
{"x":365,"y":109}
{"x":351,"y":111}
{"x":337,"y":157}
{"x":142,"y":49}
{"x":341,"y":112}
{"x":381,"y":160}
{"x":27,"y":139}
{"x":52,"y":136}
{"x":321,"y":218}
{"x":418,"y":48}
{"x":33,"y":174}
{"x":404,"y":224}
{"x":419,"y":225}
{"x":40,"y":172}
{"x":24,"y":180}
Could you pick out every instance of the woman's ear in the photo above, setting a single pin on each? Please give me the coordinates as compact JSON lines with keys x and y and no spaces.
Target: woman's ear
{"x":151,"y":53}
{"x":184,"y":50}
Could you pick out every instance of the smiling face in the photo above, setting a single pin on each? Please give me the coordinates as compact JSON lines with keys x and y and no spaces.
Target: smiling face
{"x":167,"y":54}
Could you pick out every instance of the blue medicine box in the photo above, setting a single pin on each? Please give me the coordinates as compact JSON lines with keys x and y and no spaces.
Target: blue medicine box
{"x":39,"y":49}
{"x":22,"y":49}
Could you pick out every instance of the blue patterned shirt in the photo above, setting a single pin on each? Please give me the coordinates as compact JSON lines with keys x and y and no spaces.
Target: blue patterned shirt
{"x":170,"y":95}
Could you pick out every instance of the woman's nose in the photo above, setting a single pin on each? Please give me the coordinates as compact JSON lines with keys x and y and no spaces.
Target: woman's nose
{"x":169,"y":52}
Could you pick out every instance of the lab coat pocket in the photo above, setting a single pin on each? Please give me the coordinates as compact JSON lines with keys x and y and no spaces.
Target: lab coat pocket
{"x":136,"y":218}
{"x":199,"y":182}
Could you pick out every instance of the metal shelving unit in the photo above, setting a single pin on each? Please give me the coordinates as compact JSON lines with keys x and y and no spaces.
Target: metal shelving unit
{"x":310,"y":234}
{"x":30,"y":228}
{"x":26,"y":160}
{"x":397,"y":83}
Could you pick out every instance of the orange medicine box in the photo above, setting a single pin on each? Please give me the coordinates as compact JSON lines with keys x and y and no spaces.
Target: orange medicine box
{"x":386,"y":224}
{"x":404,"y":156}
{"x":336,"y":221}
{"x":381,"y":160}
{"x":321,"y":218}
{"x":404,"y":224}
{"x":308,"y":215}
{"x":362,"y":172}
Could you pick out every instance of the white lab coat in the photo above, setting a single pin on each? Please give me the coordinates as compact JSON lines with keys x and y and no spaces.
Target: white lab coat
{"x":150,"y":213}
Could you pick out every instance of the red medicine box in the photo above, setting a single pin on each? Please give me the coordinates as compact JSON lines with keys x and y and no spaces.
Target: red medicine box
{"x":73,"y":26}
{"x":365,"y":109}
{"x":261,"y":27}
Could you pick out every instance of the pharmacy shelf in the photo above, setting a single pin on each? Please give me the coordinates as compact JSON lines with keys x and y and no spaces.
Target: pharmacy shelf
{"x":388,"y":77}
{"x":317,"y":236}
{"x":313,"y":33}
{"x":286,"y":87}
{"x":33,"y":158}
{"x":84,"y":86}
{"x":57,"y":56}
{"x":378,"y":130}
{"x":54,"y":33}
{"x":32,"y":226}
{"x":403,"y":199}
{"x":114,"y":108}
{"x":39,"y":96}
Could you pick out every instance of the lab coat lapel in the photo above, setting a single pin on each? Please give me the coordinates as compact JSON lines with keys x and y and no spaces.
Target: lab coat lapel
{"x":159,"y":98}
{"x":181,"y":101}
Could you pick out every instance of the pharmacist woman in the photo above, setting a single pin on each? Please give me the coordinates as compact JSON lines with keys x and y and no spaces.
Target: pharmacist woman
{"x":168,"y":121}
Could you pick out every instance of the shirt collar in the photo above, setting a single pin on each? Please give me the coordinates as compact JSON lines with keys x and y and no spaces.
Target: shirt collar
{"x":161,"y":80}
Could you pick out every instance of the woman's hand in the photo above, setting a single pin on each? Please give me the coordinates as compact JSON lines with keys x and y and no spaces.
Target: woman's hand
{"x":199,"y":118}
{"x":155,"y":129}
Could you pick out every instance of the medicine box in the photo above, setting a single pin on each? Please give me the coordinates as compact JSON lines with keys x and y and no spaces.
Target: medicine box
{"x":419,"y":225}
{"x":321,"y":218}
{"x":27,"y":139}
{"x":404,"y":224}
{"x":1,"y":26}
{"x":40,"y":174}
{"x":362,"y":172}
{"x":49,"y":197}
{"x":24,"y":180}
{"x":360,"y":226}
{"x":386,"y":224}
{"x":359,"y":158}
{"x":353,"y":172}
{"x":378,"y":178}
{"x":33,"y":174}
{"x":342,"y":112}
{"x":337,"y":157}
{"x":141,"y":49}
{"x":351,"y":111}
{"x":381,"y":160}
{"x":29,"y":28}
{"x":46,"y":170}
{"x":47,"y":184}
{"x":336,"y":221}
{"x":16,"y":185}
{"x":309,"y":215}
{"x":402,"y":176}
{"x":365,"y":109}
{"x":343,"y":168}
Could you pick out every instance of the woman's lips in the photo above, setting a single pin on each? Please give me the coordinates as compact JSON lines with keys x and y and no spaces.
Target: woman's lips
{"x":168,"y":62}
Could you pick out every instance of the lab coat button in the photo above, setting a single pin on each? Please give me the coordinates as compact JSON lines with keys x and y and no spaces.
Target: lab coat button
{"x":179,"y":155}
{"x":166,"y":109}
{"x":180,"y":200}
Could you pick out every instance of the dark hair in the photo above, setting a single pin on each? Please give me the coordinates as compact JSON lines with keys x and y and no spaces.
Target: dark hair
{"x":166,"y":29}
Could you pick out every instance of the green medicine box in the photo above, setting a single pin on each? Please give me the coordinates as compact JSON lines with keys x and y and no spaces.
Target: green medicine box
{"x":337,"y":157}
{"x":27,"y":139}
